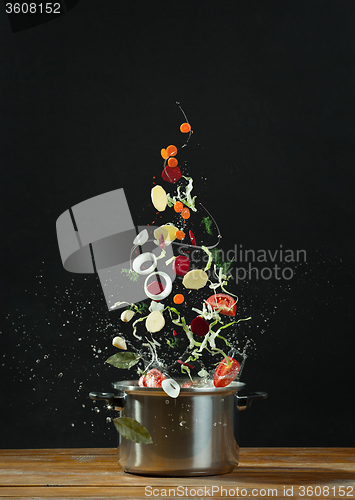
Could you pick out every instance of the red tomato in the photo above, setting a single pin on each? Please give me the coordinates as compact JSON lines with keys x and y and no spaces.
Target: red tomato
{"x":225,"y":374}
{"x":224,"y":302}
{"x":153,"y":378}
{"x":188,"y":384}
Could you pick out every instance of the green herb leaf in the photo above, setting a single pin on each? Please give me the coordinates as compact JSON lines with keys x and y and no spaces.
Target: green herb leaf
{"x":132,"y":275}
{"x":208,"y":225}
{"x":173,"y":342}
{"x":132,"y":430}
{"x":210,"y":257}
{"x":124,"y":360}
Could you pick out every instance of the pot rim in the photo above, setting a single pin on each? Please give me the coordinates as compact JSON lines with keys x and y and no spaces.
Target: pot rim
{"x":131,"y":386}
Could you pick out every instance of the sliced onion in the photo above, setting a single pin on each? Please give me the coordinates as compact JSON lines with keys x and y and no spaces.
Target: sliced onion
{"x":141,"y":238}
{"x":171,"y":387}
{"x":144,"y":257}
{"x":165,"y":292}
{"x":156,"y":306}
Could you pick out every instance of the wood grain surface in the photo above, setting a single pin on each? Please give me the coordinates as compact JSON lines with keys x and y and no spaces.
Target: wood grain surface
{"x":94,"y":474}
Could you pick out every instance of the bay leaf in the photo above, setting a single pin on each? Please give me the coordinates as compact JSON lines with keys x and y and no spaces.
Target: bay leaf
{"x":132,"y":430}
{"x":124,"y":360}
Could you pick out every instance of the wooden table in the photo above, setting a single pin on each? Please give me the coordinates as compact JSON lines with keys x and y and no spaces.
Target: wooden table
{"x":263,"y":473}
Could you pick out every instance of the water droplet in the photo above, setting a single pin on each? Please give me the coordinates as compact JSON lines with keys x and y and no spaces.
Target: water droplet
{"x":222,"y":400}
{"x":60,"y":375}
{"x":108,"y":419}
{"x":182,"y":423}
{"x":214,"y":425}
{"x":166,"y":436}
{"x":167,"y":401}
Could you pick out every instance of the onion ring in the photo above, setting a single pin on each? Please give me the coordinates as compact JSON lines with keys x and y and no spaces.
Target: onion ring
{"x":165,"y":292}
{"x":144,"y":257}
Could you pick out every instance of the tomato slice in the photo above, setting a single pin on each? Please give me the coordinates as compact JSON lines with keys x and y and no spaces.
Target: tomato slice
{"x":153,"y":378}
{"x":225,"y":374}
{"x":225,"y":303}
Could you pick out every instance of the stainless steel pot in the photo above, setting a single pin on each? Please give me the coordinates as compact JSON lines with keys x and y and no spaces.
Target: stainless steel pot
{"x":193,"y":435}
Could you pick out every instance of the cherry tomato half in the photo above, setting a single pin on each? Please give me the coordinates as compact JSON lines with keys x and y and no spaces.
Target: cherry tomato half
{"x":225,"y":374}
{"x":224,"y":302}
{"x":153,"y":378}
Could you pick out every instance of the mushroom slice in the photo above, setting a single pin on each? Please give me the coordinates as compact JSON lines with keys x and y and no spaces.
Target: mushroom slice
{"x":195,"y":279}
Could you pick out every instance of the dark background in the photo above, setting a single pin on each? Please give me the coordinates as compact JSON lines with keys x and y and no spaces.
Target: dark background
{"x":87,"y":102}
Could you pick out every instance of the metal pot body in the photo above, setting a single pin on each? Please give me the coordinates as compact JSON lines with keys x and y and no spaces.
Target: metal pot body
{"x":193,"y":435}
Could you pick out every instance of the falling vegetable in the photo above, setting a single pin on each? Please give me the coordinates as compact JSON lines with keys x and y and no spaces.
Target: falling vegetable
{"x":178,"y":298}
{"x":164,"y":154}
{"x":171,"y":387}
{"x":120,"y":343}
{"x":226,"y":372}
{"x":171,"y":150}
{"x":195,"y":279}
{"x":180,"y":235}
{"x":185,"y":128}
{"x":181,"y":265}
{"x":153,"y":378}
{"x":172,"y":162}
{"x":185,"y":213}
{"x":178,"y":206}
{"x":192,"y":238}
{"x":159,"y":198}
{"x":171,"y":174}
{"x":155,"y":322}
{"x":199,"y":326}
{"x":127,"y":315}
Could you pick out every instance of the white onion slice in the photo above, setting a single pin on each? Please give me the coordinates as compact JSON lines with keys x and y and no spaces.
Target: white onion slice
{"x":144,"y":257}
{"x":165,"y":292}
{"x":171,"y":387}
{"x":156,"y":306}
{"x":141,"y":238}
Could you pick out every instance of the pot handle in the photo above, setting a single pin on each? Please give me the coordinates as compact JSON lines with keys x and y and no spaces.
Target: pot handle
{"x":117,"y":402}
{"x":244,"y":402}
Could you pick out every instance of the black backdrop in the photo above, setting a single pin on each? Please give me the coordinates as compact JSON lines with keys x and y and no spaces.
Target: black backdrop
{"x":87,"y":101}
